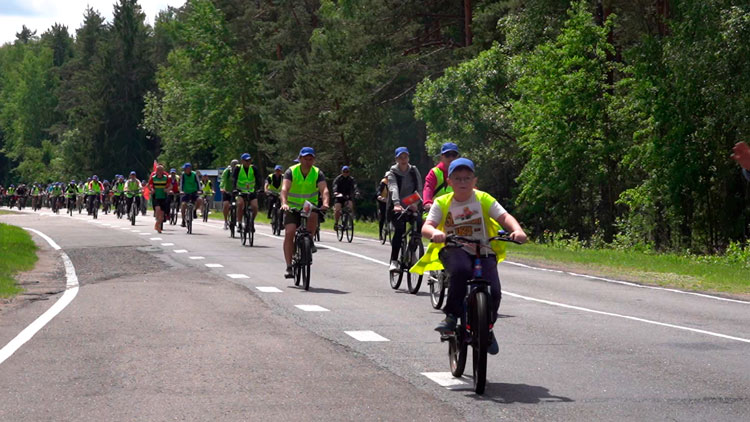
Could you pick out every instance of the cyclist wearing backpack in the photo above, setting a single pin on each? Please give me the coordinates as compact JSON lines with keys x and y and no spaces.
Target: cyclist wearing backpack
{"x":403,"y":181}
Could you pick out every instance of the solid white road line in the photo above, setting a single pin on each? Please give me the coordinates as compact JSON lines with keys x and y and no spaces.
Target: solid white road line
{"x":268,"y":289}
{"x":647,"y":321}
{"x":627,"y":283}
{"x":71,"y":290}
{"x":366,"y":336}
{"x":312,"y":308}
{"x":237,"y":276}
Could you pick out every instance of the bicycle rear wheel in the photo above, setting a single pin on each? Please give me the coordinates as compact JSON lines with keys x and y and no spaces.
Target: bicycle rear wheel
{"x":437,"y":288}
{"x":205,"y":210}
{"x":250,"y":230}
{"x":189,"y":218}
{"x":480,"y":327}
{"x":349,"y":228}
{"x":457,"y":351}
{"x":340,"y":228}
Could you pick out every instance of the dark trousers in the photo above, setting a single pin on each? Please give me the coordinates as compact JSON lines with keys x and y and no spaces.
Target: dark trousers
{"x":460,"y":267}
{"x":399,"y":228}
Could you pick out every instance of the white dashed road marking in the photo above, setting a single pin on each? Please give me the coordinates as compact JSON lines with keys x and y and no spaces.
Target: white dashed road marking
{"x":269,"y":290}
{"x":180,"y":251}
{"x":445,"y":379}
{"x":237,"y":276}
{"x":167,"y":244}
{"x":312,"y":308}
{"x":197,"y":257}
{"x":214,"y":265}
{"x":156,"y":238}
{"x":366,"y":336}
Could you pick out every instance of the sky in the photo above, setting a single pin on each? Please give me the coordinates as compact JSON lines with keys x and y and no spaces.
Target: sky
{"x":40,"y":15}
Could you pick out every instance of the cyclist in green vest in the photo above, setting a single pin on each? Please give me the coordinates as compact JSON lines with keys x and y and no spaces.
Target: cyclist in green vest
{"x":247,"y":182}
{"x":118,"y":190}
{"x":468,"y":213}
{"x":207,"y":190}
{"x":226,"y":185}
{"x":436,"y":184}
{"x":190,"y":185}
{"x":132,"y":191}
{"x":273,"y":187}
{"x":95,"y":188}
{"x":71,"y":192}
{"x":55,"y":195}
{"x":302,"y":182}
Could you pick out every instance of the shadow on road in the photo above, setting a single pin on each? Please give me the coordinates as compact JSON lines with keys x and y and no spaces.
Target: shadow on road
{"x":330,"y":291}
{"x":519,"y":393}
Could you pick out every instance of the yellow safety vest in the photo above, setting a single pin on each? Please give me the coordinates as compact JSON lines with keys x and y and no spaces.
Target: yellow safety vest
{"x":440,"y":180}
{"x":246,"y":179}
{"x":430,"y":260}
{"x":303,"y":188}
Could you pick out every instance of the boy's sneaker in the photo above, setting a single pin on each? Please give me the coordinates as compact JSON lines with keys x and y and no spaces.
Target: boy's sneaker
{"x":394,"y":267}
{"x":447,"y":325}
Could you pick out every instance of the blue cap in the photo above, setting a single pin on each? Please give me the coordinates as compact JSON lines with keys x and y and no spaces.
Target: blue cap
{"x":401,"y":150}
{"x":132,"y":173}
{"x":186,"y":165}
{"x":106,"y":181}
{"x":173,"y":171}
{"x":278,"y":167}
{"x":345,"y":168}
{"x":245,"y":156}
{"x":448,"y":147}
{"x":72,"y":181}
{"x":306,"y":151}
{"x":460,"y":162}
{"x":296,"y":160}
{"x":95,"y":177}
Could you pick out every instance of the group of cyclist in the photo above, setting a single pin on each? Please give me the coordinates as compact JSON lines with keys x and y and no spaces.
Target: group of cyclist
{"x":445,"y":202}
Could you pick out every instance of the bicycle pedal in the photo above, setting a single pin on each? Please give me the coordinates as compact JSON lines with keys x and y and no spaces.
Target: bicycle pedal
{"x":446,"y":336}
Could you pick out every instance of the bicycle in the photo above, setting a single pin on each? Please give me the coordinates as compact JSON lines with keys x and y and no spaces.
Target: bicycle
{"x":247,"y":231}
{"x":346,"y":224}
{"x":95,"y":206}
{"x":71,"y":206}
{"x":411,"y":250}
{"x":232,"y":216}
{"x":204,"y":208}
{"x":174,"y":206}
{"x":302,"y":257}
{"x":277,"y":220}
{"x":120,"y":208}
{"x":133,"y":211}
{"x":474,"y":327}
{"x":190,"y":208}
{"x":106,"y":204}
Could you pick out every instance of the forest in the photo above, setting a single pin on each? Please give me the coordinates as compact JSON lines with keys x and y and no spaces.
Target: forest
{"x":606,"y":121}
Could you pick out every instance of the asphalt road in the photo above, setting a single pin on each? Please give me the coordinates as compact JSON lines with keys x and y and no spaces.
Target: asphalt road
{"x":156,"y":334}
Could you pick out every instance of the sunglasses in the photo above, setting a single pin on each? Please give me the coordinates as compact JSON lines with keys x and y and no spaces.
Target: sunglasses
{"x":451,"y":154}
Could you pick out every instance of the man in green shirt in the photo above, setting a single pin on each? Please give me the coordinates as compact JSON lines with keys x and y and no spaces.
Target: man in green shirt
{"x":158,"y":185}
{"x":189,"y":187}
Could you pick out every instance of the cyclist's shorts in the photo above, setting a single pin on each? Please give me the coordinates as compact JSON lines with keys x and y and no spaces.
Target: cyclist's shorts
{"x":226,"y":197}
{"x":161,"y":202}
{"x":291,"y":218}
{"x":341,"y":200}
{"x":190,"y":197}
{"x":249,"y":195}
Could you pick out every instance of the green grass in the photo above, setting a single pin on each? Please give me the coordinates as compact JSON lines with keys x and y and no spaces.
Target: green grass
{"x":17,"y":253}
{"x":667,"y":270}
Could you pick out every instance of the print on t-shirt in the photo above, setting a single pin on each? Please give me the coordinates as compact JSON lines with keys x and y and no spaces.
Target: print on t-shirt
{"x":465,"y":220}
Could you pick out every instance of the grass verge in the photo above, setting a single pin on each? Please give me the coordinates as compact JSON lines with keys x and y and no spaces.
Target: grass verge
{"x":17,"y":253}
{"x":666,"y":270}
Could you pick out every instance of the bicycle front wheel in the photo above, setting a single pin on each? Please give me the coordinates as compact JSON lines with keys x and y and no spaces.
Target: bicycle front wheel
{"x":349,"y":228}
{"x":414,"y":281}
{"x":480,"y":328}
{"x":306,"y":253}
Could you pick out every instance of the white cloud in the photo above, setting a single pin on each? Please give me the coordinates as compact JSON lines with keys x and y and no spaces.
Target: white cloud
{"x":40,"y":15}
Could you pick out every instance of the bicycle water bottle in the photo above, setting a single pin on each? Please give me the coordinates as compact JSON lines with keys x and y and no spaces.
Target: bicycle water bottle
{"x":477,"y":268}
